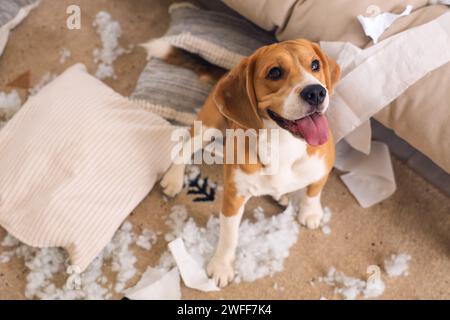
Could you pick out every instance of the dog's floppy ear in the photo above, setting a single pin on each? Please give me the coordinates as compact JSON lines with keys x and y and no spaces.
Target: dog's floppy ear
{"x":235,"y":96}
{"x":330,"y":67}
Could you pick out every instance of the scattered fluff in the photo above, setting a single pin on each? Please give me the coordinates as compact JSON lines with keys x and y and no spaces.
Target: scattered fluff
{"x":397,"y":265}
{"x":45,"y":264}
{"x":47,"y":78}
{"x":9,"y":105}
{"x":147,"y":239}
{"x":10,"y":241}
{"x":176,"y":220}
{"x":191,"y":173}
{"x":374,"y":288}
{"x":109,"y":31}
{"x":350,"y":288}
{"x":5,"y":257}
{"x":325,"y":221}
{"x":123,"y":259}
{"x":277,"y":287}
{"x":64,"y":54}
{"x":275,"y":235}
{"x":254,"y":259}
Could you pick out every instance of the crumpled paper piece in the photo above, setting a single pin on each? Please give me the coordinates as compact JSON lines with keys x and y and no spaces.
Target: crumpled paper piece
{"x":156,"y":284}
{"x":6,"y":28}
{"x":375,"y":26}
{"x":194,"y":276}
{"x":370,"y":178}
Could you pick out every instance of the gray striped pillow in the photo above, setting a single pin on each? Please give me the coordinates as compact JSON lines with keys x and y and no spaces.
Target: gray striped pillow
{"x":176,"y":93}
{"x":221,"y":39}
{"x":173,"y":92}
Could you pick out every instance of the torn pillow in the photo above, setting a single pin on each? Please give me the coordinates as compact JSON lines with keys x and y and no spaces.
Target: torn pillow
{"x":75,"y":161}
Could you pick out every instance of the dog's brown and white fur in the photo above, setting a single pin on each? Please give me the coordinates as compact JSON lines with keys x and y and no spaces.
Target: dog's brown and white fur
{"x":253,"y":95}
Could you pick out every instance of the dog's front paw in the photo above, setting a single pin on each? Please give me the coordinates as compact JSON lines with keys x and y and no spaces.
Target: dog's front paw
{"x":311,"y":212}
{"x":310,"y":216}
{"x":221,"y":271}
{"x":310,"y":220}
{"x":172,"y":182}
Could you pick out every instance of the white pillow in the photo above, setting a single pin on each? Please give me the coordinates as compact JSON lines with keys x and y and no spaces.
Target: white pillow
{"x":75,"y":161}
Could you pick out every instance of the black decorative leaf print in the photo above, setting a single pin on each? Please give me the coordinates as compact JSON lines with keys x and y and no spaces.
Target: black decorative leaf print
{"x":203,"y":190}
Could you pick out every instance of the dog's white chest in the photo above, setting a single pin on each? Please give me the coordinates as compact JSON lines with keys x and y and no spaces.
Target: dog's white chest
{"x":294,"y":171}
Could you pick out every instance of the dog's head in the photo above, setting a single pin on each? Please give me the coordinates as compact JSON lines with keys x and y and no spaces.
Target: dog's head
{"x":288,"y":83}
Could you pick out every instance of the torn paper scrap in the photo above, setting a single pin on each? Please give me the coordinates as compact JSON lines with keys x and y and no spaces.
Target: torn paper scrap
{"x":370,"y":178}
{"x":375,"y":26}
{"x":193,"y":275}
{"x":156,"y":284}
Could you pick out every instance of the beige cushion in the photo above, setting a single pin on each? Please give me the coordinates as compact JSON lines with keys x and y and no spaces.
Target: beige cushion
{"x":75,"y":161}
{"x":421,"y":114}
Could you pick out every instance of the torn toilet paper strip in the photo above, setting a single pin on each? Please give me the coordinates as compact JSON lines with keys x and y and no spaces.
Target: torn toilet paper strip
{"x":370,"y":178}
{"x":375,"y":26}
{"x":193,"y":275}
{"x":156,"y":284}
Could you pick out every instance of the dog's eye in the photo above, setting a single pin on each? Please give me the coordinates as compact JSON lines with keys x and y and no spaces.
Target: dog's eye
{"x":315,"y":65}
{"x":275,"y":74}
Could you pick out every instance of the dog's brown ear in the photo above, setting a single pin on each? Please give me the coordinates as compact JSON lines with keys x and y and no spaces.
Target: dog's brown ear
{"x":330,"y":67}
{"x":235,"y":96}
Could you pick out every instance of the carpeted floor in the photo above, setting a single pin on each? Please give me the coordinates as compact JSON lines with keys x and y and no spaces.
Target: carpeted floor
{"x":416,"y":220}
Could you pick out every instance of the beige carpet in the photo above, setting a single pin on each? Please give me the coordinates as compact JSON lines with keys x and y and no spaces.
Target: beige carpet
{"x":416,"y":220}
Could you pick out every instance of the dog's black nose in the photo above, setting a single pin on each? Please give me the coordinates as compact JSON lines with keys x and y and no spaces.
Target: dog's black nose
{"x":314,"y":94}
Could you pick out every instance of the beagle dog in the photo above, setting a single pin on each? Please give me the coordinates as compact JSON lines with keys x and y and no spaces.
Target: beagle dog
{"x":286,"y":87}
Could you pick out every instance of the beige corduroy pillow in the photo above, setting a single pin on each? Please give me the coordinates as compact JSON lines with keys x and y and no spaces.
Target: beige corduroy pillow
{"x":75,"y":161}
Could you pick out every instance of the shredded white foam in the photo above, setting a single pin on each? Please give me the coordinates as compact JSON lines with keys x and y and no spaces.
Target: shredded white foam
{"x":147,"y":239}
{"x":397,"y":265}
{"x":109,"y":31}
{"x":64,"y":54}
{"x":191,"y":173}
{"x":10,"y":241}
{"x":5,"y":257}
{"x":176,"y":220}
{"x":350,"y":288}
{"x":324,"y":224}
{"x":374,"y":288}
{"x":9,"y":104}
{"x":254,"y":259}
{"x":46,"y":264}
{"x":277,"y":287}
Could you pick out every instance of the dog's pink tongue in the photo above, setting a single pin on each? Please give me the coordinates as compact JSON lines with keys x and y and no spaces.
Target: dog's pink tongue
{"x":314,"y":129}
